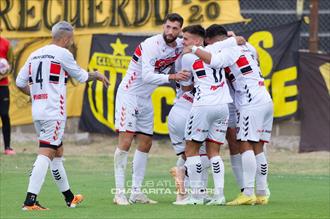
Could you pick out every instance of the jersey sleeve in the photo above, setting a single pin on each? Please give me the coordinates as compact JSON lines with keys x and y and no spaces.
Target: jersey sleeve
{"x":226,"y":57}
{"x":253,"y":51}
{"x":215,"y":47}
{"x":186,"y":63}
{"x":22,"y":78}
{"x":149,"y":55}
{"x":72,"y":68}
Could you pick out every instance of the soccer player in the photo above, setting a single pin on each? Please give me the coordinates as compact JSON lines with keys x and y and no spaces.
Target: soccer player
{"x":214,"y":35}
{"x":44,"y":77}
{"x":254,"y":119}
{"x":6,"y":53}
{"x":176,"y":124}
{"x":177,"y":119}
{"x":208,"y":117}
{"x":149,"y":67}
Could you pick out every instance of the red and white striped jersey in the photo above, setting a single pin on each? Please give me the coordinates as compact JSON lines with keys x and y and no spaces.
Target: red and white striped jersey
{"x":46,"y":71}
{"x":210,"y":83}
{"x":150,"y":65}
{"x":245,"y":76}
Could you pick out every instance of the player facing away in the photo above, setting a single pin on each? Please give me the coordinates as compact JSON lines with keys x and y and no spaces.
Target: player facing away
{"x":207,"y":119}
{"x":149,"y":68}
{"x":44,"y":77}
{"x":214,"y":35}
{"x":254,"y":120}
{"x":177,"y":119}
{"x":176,"y":125}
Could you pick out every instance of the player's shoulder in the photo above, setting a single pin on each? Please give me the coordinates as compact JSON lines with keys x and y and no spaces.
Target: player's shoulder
{"x":189,"y":57}
{"x":154,"y":40}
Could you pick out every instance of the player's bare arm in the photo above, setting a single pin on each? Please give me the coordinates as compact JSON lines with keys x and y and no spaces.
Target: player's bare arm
{"x":97,"y":76}
{"x":25,"y":90}
{"x":180,"y":76}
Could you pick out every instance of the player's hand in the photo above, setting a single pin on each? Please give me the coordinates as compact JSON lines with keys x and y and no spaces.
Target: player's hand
{"x":231,"y":34}
{"x":240,"y":40}
{"x":182,"y":75}
{"x":101,"y":77}
{"x":187,"y":49}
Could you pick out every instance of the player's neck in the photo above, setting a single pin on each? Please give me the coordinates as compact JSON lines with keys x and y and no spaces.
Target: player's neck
{"x":172,"y":44}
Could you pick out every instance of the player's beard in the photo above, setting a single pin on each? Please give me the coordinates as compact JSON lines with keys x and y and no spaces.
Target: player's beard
{"x":168,"y":40}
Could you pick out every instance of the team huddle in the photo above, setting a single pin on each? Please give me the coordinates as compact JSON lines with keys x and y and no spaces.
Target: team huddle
{"x":209,"y":79}
{"x":220,"y":94}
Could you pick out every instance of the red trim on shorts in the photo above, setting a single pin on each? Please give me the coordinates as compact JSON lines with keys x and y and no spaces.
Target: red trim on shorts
{"x":211,"y":140}
{"x":203,"y":155}
{"x":128,"y":131}
{"x":44,"y":142}
{"x":264,"y":141}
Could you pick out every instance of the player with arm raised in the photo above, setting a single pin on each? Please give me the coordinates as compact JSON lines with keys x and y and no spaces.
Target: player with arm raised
{"x":254,"y":120}
{"x":44,"y":77}
{"x":207,"y":121}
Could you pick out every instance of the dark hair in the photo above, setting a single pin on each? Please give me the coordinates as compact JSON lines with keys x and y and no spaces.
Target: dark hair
{"x":174,"y":17}
{"x":195,"y":29}
{"x":215,"y":30}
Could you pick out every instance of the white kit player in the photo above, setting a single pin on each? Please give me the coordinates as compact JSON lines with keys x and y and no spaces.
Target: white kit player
{"x":177,"y":119}
{"x":44,"y":77}
{"x":214,"y":36}
{"x":254,"y":120}
{"x":176,"y":124}
{"x":149,"y":67}
{"x":207,"y":120}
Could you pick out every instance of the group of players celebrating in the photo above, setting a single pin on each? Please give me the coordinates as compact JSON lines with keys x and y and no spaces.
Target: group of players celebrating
{"x":220,"y":93}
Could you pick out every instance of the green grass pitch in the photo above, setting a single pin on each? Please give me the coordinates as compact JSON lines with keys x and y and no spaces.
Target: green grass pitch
{"x":294,"y":194}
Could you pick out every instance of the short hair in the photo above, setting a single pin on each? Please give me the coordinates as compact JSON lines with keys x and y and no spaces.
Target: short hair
{"x":195,"y":29}
{"x":60,"y":29}
{"x":174,"y":17}
{"x":215,"y":30}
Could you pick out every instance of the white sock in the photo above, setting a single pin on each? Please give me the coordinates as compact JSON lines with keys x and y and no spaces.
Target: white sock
{"x":180,"y":162}
{"x":249,"y":166}
{"x":205,"y":167}
{"x":120,"y":163}
{"x":236,"y":165}
{"x":218,"y":172}
{"x":262,"y":173}
{"x":139,"y":168}
{"x":59,"y":174}
{"x":194,"y":167}
{"x":38,"y":174}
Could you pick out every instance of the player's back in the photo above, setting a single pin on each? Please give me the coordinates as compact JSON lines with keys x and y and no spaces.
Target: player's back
{"x":47,"y":71}
{"x":245,"y":76}
{"x":210,"y":84}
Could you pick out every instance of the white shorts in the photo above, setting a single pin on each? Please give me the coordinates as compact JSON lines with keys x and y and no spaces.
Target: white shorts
{"x":232,"y":115}
{"x":177,"y":119}
{"x":255,"y":123}
{"x":50,"y":132}
{"x":207,"y":123}
{"x":134,"y":114}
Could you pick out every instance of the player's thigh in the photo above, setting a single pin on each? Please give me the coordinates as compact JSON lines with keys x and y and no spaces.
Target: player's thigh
{"x":249,"y":124}
{"x":125,"y":113}
{"x":50,"y":134}
{"x":4,"y":100}
{"x":197,"y":125}
{"x":145,"y":117}
{"x":218,"y":119}
{"x":267,"y":122}
{"x":232,"y":115}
